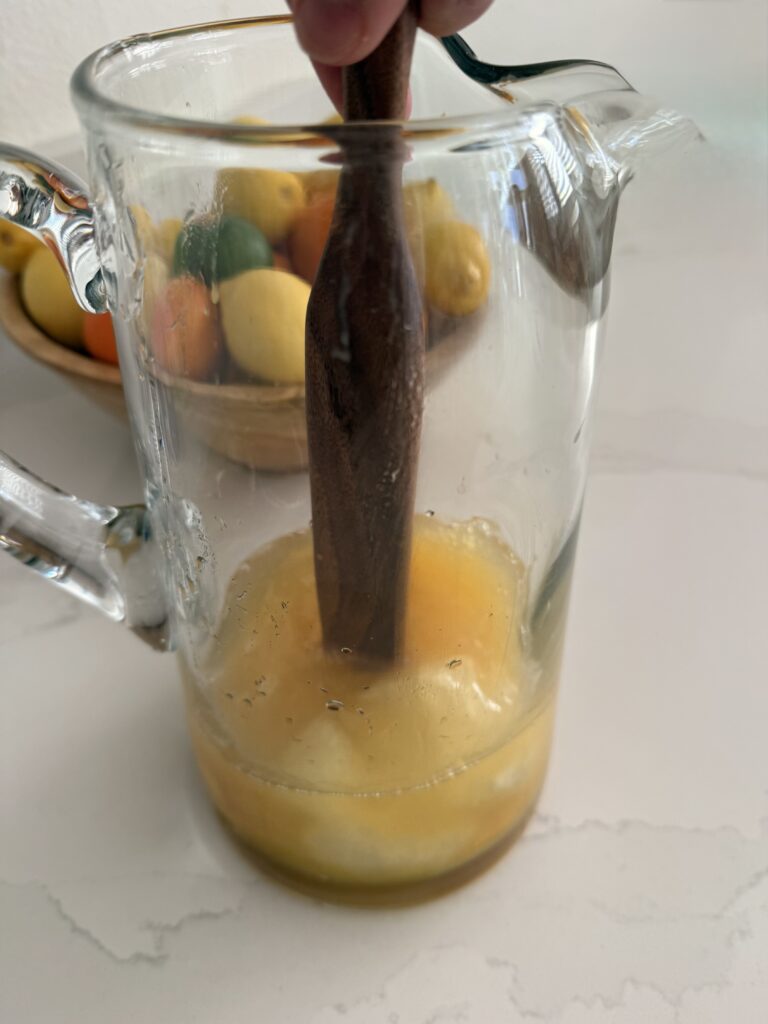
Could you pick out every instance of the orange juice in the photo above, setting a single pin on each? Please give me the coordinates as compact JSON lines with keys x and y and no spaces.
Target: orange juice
{"x":365,"y":778}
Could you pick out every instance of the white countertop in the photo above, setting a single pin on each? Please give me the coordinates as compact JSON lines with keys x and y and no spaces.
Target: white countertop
{"x":638,"y":895}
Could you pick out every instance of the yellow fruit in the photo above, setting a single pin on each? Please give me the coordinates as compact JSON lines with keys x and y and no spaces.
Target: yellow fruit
{"x":263,"y":314}
{"x":282,"y":137}
{"x":16,"y":246}
{"x":145,"y":227}
{"x":154,"y":280}
{"x":318,"y":184}
{"x":458,"y":270}
{"x":268,"y":199}
{"x":49,"y":301}
{"x":425,"y":203}
{"x":166,"y":233}
{"x":156,"y":238}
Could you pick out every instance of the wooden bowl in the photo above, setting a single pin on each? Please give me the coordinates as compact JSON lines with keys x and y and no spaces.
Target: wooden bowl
{"x":258,"y":425}
{"x":261,"y":426}
{"x":99,"y":381}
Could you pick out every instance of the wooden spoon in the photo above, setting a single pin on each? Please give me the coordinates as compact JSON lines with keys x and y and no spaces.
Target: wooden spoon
{"x":365,"y":371}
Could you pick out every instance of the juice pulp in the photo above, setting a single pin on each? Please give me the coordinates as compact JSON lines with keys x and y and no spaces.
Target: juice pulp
{"x":364,"y":778}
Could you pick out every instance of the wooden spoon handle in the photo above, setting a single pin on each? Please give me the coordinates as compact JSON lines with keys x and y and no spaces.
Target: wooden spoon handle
{"x":376,"y":89}
{"x":365,"y":373}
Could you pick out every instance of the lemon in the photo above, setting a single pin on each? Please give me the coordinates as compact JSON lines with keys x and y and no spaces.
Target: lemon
{"x":16,"y":246}
{"x":263,"y":314}
{"x":49,"y":300}
{"x":318,"y":184}
{"x":166,"y":233}
{"x":154,"y":280}
{"x":425,"y":203}
{"x":157,"y":238}
{"x":268,"y":199}
{"x":458,"y":270}
{"x":144,"y":226}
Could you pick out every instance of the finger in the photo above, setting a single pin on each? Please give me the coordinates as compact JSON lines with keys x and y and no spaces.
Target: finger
{"x":330,"y":79}
{"x":338,"y":32}
{"x":443,"y":17}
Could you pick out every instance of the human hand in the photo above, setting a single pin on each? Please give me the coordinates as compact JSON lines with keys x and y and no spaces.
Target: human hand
{"x":335,"y":33}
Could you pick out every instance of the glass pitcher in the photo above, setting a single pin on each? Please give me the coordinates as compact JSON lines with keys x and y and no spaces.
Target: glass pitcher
{"x":213,"y":166}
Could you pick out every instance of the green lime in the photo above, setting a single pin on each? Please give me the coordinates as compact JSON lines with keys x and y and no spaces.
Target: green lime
{"x":217,"y":250}
{"x":194,"y":252}
{"x":241,"y":247}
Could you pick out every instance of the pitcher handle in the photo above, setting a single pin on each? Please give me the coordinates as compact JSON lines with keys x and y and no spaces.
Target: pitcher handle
{"x":105,"y":556}
{"x":52,"y":203}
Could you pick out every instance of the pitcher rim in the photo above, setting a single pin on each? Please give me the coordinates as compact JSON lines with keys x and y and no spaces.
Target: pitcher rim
{"x":89,"y":97}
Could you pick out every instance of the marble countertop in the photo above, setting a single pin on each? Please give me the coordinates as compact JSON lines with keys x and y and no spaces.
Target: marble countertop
{"x":639,"y":892}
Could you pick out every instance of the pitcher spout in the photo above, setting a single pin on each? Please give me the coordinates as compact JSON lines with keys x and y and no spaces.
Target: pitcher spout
{"x":565,"y":189}
{"x":632,"y":130}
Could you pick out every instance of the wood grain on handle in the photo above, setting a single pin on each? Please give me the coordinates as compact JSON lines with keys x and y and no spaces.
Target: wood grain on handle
{"x":365,"y":372}
{"x":376,"y":89}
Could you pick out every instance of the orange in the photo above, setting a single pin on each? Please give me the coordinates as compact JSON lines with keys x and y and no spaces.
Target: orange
{"x":99,"y":337}
{"x":281,"y":262}
{"x":319,"y":183}
{"x":309,"y":235}
{"x":186,"y":341}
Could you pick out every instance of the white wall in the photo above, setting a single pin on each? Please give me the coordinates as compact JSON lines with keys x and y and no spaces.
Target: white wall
{"x":656,"y":43}
{"x":42,"y":41}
